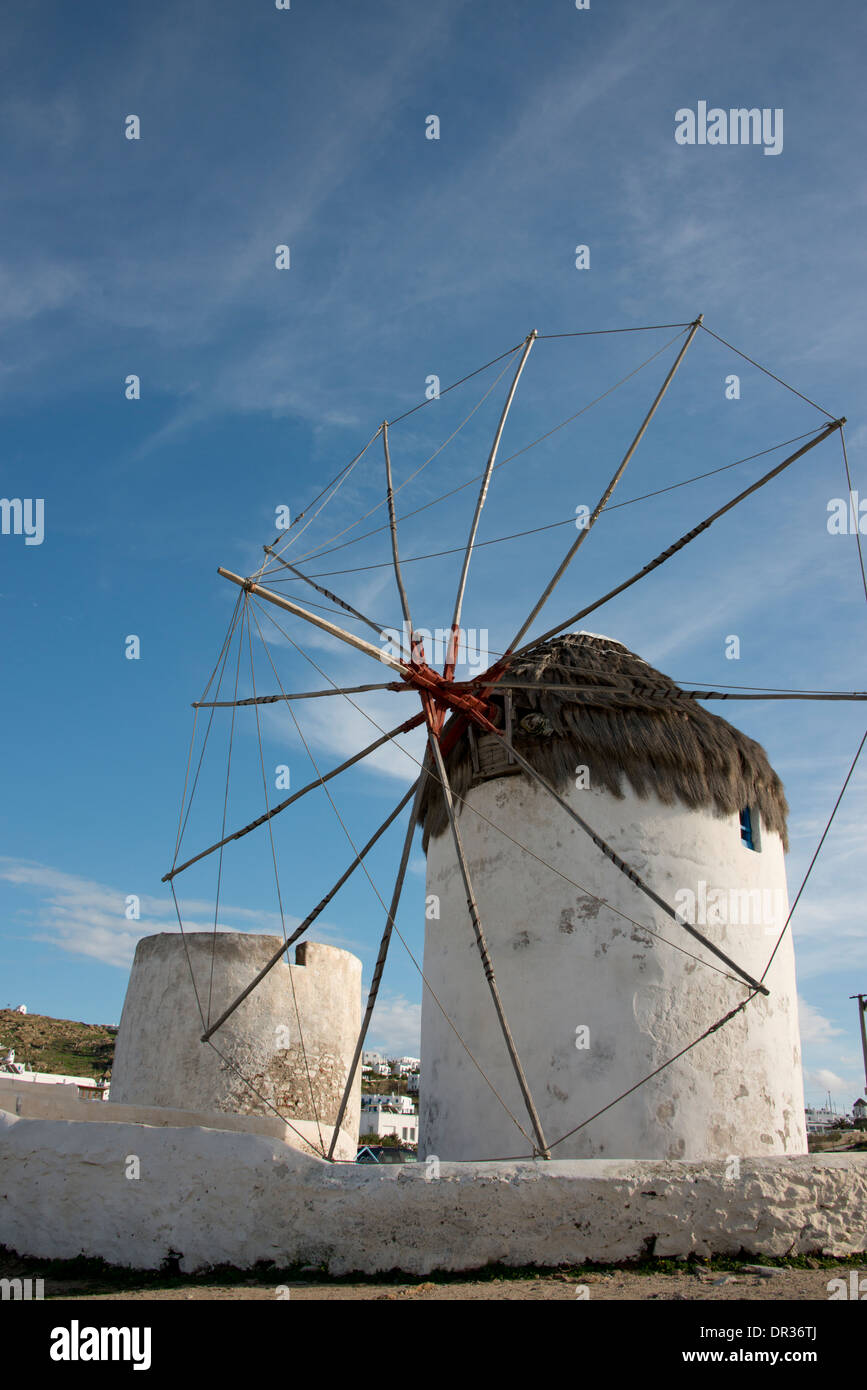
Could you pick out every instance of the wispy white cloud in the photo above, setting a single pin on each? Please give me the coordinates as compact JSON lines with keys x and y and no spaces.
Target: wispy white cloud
{"x":87,"y":918}
{"x":815,"y":1028}
{"x":340,"y":730}
{"x":826,"y":1080}
{"x":396,"y":1026}
{"x":828,"y":1066}
{"x":182,"y":285}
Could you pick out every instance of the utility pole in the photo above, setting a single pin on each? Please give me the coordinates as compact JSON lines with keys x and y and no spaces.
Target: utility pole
{"x":862,"y":1015}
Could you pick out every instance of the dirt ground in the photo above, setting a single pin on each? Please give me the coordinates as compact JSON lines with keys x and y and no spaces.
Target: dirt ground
{"x":795,"y":1285}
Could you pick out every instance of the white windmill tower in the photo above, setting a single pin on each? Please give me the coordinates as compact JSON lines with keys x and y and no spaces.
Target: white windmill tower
{"x":598,"y":992}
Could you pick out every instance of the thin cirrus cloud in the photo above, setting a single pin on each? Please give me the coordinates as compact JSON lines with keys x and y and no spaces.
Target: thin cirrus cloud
{"x":340,"y":737}
{"x":396,"y":1026}
{"x":87,"y":918}
{"x":191,"y":293}
{"x":181,"y":288}
{"x":824,"y":1047}
{"x":823,"y":1079}
{"x":815,"y":1027}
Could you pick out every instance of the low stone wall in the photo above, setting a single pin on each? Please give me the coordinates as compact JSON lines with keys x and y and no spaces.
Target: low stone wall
{"x":62,"y":1103}
{"x":214,"y":1198}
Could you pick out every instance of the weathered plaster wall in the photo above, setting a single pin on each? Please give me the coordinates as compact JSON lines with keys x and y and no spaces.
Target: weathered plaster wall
{"x":161,"y":1061}
{"x":565,"y":962}
{"x":218,"y":1198}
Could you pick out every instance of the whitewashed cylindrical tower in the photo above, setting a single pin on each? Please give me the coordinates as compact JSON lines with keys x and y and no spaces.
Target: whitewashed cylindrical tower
{"x":595,"y":1002}
{"x":286,"y":1049}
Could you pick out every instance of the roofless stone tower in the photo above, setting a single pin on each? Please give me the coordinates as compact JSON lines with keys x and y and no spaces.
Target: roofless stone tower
{"x":284,"y":1051}
{"x":600,"y":988}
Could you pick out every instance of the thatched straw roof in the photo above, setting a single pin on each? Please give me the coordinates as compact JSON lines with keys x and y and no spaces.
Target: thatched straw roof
{"x":651,"y":736}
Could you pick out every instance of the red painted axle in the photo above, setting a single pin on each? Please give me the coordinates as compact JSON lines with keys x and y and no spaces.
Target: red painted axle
{"x":440,"y":694}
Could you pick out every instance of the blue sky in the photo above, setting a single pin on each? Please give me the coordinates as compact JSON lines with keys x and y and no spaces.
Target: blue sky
{"x":409,"y":257}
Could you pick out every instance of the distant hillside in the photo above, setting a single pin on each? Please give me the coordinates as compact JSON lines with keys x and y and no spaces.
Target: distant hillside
{"x":58,"y":1044}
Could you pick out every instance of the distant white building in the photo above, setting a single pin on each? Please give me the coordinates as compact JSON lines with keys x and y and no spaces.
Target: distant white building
{"x":371,"y":1059}
{"x":379,"y":1069}
{"x":859,"y":1110}
{"x":22,"y":1009}
{"x":403,"y":1105}
{"x":402,"y":1066}
{"x":412,"y":1083}
{"x":385,"y":1121}
{"x":819,"y":1119}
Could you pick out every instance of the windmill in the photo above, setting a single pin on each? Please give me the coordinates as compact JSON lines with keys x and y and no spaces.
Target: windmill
{"x":456,"y":714}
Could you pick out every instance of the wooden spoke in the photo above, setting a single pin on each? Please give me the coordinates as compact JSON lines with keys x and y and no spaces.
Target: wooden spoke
{"x":300,"y":695}
{"x":296,"y":796}
{"x":684,"y":540}
{"x":309,"y":920}
{"x":331,"y":489}
{"x":320,"y":589}
{"x":451,"y":656}
{"x":626,"y":869}
{"x":392,"y":526}
{"x":603,"y":500}
{"x":380,"y":959}
{"x":623,"y":690}
{"x":334,"y":631}
{"x":487,"y":963}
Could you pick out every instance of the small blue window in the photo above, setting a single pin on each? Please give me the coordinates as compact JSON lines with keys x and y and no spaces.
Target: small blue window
{"x":747,"y":828}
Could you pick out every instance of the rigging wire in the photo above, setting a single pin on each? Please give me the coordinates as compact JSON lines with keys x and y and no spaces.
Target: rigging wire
{"x":341,"y":476}
{"x":318,"y":551}
{"x":224,"y":654}
{"x":187,"y":954}
{"x":771,"y":374}
{"x":444,"y":391}
{"x":816,"y":855}
{"x":264,"y":1099}
{"x":336,"y":478}
{"x":225,"y":809}
{"x":714,"y":1028}
{"x":182,"y":819}
{"x":291,"y":540}
{"x":551,"y":525}
{"x":408,"y":480}
{"x":277,"y":883}
{"x":707,"y":1032}
{"x":857,"y":527}
{"x":601,"y":332}
{"x":683,"y":540}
